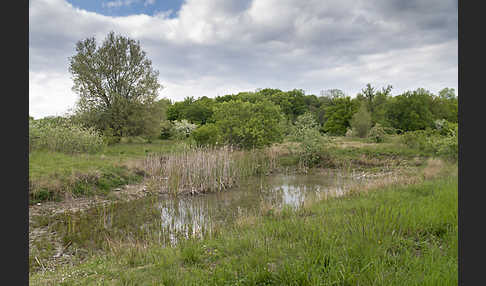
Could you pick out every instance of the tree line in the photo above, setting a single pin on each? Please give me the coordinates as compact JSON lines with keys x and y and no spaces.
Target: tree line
{"x":333,"y":110}
{"x":118,"y":90}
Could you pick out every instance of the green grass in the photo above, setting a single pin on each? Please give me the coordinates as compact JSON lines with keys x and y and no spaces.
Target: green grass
{"x":398,"y":235}
{"x":51,"y":174}
{"x":44,"y":163}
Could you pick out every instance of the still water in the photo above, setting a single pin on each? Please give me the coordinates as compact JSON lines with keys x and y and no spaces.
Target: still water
{"x":166,"y":219}
{"x":194,"y":215}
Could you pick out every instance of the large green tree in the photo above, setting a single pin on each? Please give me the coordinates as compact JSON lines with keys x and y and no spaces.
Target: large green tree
{"x":445,"y":106}
{"x":375,"y":101}
{"x":411,"y":110}
{"x":338,"y":115}
{"x":116,"y":84}
{"x":195,"y":111}
{"x":326,"y":99}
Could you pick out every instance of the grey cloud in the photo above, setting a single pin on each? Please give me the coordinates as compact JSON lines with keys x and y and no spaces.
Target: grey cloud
{"x":292,"y":44}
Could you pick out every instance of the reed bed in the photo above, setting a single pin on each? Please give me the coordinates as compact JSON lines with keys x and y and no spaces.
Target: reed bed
{"x":203,"y":170}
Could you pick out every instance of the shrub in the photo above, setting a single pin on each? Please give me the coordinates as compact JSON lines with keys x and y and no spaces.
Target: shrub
{"x":312,"y":148}
{"x":109,"y":137}
{"x":447,"y":146}
{"x":377,"y":133}
{"x":63,"y":136}
{"x":303,"y":125}
{"x":432,"y":142}
{"x":349,"y":132}
{"x":418,"y":139}
{"x":183,"y":129}
{"x":207,"y":135}
{"x":445,"y":127}
{"x":165,"y":129}
{"x":390,"y":130}
{"x":249,"y":125}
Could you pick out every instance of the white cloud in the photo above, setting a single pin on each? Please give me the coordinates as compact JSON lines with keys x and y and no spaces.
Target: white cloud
{"x":148,"y":2}
{"x":216,"y":47}
{"x":50,"y":94}
{"x":119,"y":3}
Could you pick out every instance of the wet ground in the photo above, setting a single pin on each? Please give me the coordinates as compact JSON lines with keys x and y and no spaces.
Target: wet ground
{"x":57,"y":234}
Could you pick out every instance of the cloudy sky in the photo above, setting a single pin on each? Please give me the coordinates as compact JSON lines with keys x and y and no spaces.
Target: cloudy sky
{"x":217,"y":47}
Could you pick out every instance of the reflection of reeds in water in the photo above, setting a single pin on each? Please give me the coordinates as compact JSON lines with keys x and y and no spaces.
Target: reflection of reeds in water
{"x":205,"y":169}
{"x":184,"y":219}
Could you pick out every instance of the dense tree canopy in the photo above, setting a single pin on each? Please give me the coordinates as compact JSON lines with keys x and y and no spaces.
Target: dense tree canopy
{"x":247,"y":124}
{"x":411,"y":110}
{"x":333,"y":110}
{"x":196,"y":111}
{"x":339,"y":114}
{"x":445,"y":105}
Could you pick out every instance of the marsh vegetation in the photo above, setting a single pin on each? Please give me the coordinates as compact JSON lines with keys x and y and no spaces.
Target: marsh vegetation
{"x":267,"y":187}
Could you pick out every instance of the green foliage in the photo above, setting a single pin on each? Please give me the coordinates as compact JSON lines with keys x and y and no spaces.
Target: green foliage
{"x":432,"y":142}
{"x":361,"y":122}
{"x":411,"y":110}
{"x":174,"y":111}
{"x":182,"y":129}
{"x":109,"y":137}
{"x":390,"y":130}
{"x":377,"y":133}
{"x":207,"y":135}
{"x":165,"y":129}
{"x":333,"y":110}
{"x":117,"y":86}
{"x":304,"y":123}
{"x":445,"y":106}
{"x":292,"y":103}
{"x":369,"y":94}
{"x":418,"y":139}
{"x":338,"y":115}
{"x":313,"y":148}
{"x":198,"y":113}
{"x":312,"y":144}
{"x":448,"y":146}
{"x":375,"y":101}
{"x":445,"y":127}
{"x":59,"y":134}
{"x":195,"y":111}
{"x":248,"y":125}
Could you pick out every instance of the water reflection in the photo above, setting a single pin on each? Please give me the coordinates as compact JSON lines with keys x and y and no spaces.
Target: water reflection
{"x":197,"y":215}
{"x":166,"y":219}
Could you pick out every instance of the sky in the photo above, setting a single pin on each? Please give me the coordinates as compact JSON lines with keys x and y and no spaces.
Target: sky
{"x":217,"y":47}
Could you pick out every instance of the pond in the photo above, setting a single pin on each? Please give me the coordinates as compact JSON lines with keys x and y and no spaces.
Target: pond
{"x":165,"y":219}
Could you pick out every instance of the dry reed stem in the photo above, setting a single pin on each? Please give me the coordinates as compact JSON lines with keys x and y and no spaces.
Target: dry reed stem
{"x":205,"y":169}
{"x":433,"y":168}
